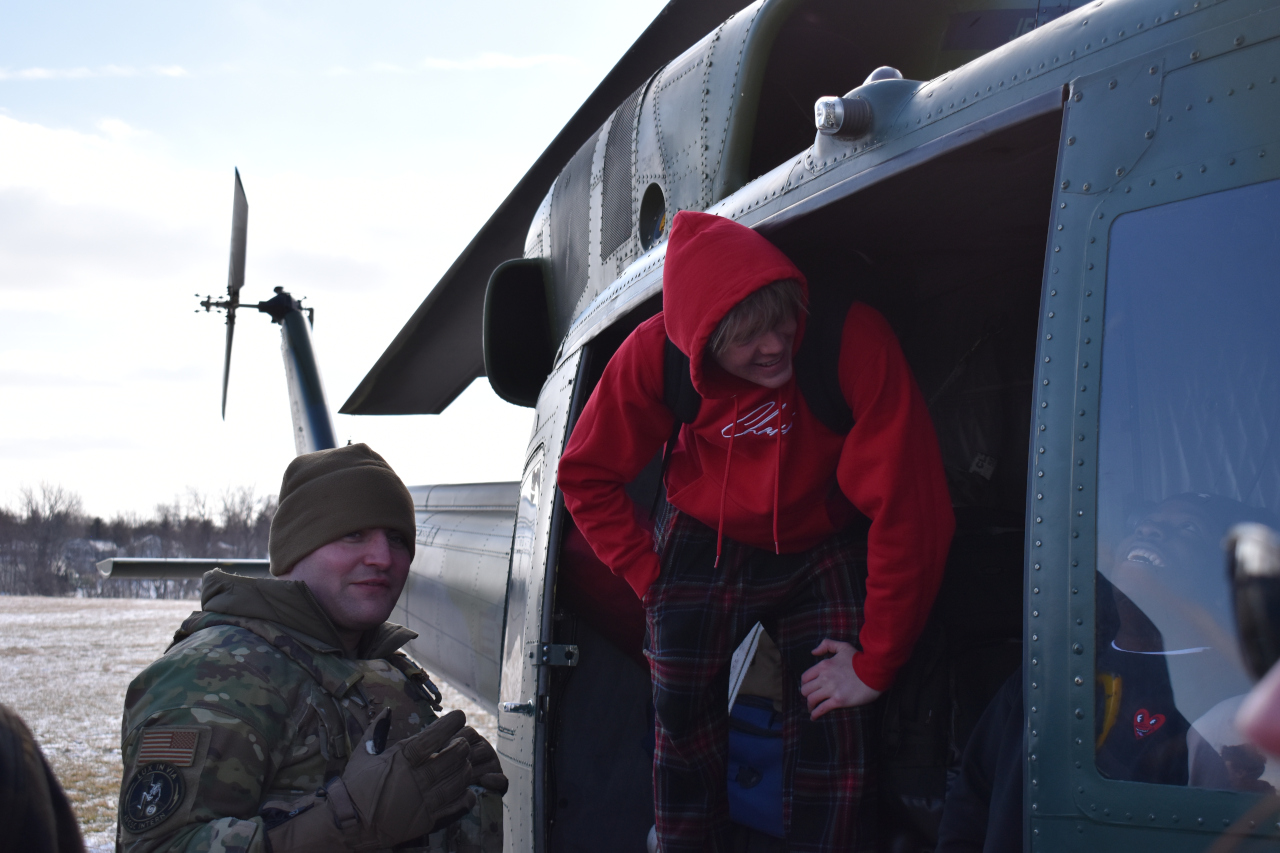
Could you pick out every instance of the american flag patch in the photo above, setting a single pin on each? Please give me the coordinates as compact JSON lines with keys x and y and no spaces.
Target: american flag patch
{"x":176,"y":746}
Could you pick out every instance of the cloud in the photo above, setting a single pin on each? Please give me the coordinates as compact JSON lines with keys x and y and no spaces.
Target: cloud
{"x":498,"y":61}
{"x":82,"y":73}
{"x":114,"y":128}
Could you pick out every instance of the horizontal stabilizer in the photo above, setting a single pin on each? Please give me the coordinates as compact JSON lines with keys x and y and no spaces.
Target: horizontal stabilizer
{"x":141,"y":568}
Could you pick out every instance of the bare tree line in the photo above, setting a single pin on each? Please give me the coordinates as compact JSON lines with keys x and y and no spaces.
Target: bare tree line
{"x":50,"y":546}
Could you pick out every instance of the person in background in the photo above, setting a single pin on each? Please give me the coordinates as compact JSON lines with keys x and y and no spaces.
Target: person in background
{"x":34,"y":811}
{"x":284,"y":718}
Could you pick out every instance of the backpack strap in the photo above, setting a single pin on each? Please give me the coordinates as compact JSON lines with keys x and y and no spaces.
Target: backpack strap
{"x":818,"y":361}
{"x":681,"y":398}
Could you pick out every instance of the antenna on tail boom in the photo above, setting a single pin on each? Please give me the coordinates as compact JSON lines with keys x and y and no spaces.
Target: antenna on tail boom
{"x":312,"y":426}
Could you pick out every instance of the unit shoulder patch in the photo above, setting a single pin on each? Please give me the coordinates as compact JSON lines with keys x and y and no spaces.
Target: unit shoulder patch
{"x":154,"y":794}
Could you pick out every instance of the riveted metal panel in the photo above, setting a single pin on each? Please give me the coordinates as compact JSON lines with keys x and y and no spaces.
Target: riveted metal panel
{"x":1129,"y":95}
{"x":617,"y":215}
{"x":570,"y":221}
{"x":522,"y":730}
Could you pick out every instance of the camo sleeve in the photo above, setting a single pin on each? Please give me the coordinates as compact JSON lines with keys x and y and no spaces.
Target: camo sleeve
{"x":201,"y":736}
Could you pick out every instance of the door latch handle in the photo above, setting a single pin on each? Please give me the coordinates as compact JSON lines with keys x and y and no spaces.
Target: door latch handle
{"x":518,"y":707}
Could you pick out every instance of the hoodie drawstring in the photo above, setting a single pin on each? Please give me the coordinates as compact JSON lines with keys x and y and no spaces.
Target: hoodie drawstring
{"x":777,"y":472}
{"x":724,"y":485}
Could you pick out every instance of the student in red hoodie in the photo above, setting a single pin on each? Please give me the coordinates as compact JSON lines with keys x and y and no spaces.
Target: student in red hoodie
{"x":767,"y":521}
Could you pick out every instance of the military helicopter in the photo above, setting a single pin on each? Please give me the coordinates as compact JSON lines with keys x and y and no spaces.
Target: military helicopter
{"x":1068,"y":215}
{"x":1067,"y":210}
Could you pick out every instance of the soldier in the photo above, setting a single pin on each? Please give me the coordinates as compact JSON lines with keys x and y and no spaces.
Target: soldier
{"x":283,"y":718}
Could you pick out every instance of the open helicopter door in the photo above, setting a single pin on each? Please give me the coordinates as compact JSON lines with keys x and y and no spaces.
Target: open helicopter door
{"x":1157,"y":404}
{"x":527,"y":651}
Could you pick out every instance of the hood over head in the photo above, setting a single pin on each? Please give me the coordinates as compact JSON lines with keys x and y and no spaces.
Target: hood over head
{"x":712,"y":264}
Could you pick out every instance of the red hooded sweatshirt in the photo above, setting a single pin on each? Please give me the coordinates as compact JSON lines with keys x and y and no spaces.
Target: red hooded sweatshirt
{"x":757,"y":464}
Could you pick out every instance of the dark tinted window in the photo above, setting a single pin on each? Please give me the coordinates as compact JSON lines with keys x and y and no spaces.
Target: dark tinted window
{"x":1189,"y":445}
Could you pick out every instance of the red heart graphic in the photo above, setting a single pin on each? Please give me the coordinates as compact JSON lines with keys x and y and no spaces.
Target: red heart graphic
{"x":1144,"y":722}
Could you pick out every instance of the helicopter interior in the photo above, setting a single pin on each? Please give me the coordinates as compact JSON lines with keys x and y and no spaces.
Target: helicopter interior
{"x":956,"y":250}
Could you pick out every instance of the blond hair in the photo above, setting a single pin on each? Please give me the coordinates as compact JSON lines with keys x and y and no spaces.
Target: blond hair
{"x":763,"y":310}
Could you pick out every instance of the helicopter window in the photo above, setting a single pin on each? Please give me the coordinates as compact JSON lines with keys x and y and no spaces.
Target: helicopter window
{"x":653,"y":216}
{"x":1188,"y":419}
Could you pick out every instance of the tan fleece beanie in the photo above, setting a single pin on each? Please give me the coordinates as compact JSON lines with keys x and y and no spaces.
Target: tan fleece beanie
{"x":327,"y":494}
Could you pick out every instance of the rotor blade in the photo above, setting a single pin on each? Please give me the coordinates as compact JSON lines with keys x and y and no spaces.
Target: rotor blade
{"x":235,"y":277}
{"x":226,"y":361}
{"x":239,"y":228}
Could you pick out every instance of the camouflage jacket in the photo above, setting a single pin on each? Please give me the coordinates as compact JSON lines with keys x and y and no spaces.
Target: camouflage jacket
{"x":254,"y":702}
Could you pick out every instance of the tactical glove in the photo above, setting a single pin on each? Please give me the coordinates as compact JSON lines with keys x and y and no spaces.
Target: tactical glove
{"x":382,"y":798}
{"x":486,"y":770}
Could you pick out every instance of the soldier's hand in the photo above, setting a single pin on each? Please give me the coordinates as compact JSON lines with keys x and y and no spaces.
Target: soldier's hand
{"x":385,"y":796}
{"x":486,"y":769}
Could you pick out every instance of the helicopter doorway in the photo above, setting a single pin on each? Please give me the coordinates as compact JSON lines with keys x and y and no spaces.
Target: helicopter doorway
{"x":955,"y":246}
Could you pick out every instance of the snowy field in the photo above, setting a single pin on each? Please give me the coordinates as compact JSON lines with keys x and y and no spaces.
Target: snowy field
{"x":64,"y":666}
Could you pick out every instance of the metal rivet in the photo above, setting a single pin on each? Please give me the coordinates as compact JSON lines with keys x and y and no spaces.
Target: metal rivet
{"x":1195,"y":54}
{"x":1239,"y":40}
{"x":1066,"y":184}
{"x":1042,"y":427}
{"x":1044,"y":405}
{"x":1039,"y":473}
{"x":1051,"y":314}
{"x":1053,"y":293}
{"x":1079,"y":681}
{"x":1059,"y":226}
{"x":1150,"y":133}
{"x":1034,"y":613}
{"x":1111,"y":85}
{"x":1084,"y":364}
{"x":1079,"y":713}
{"x":1203,"y":169}
{"x":1046,"y":359}
{"x":1048,"y":337}
{"x":1071,"y":140}
{"x":1079,"y":96}
{"x":1079,"y":461}
{"x":1084,"y":188}
{"x":1231,"y":162}
{"x":1046,"y":382}
{"x":1178,"y":175}
{"x":1155,"y":99}
{"x":1153,"y":69}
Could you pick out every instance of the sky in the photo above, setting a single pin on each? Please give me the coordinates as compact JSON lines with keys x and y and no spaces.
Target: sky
{"x":373,"y":139}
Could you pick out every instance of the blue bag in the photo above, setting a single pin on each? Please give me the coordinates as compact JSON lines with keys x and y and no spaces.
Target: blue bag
{"x":755,"y":765}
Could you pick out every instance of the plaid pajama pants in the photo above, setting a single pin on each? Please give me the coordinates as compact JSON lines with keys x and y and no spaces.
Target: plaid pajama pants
{"x":697,"y":615}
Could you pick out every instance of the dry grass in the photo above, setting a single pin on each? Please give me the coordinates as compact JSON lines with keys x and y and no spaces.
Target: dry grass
{"x":64,"y":666}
